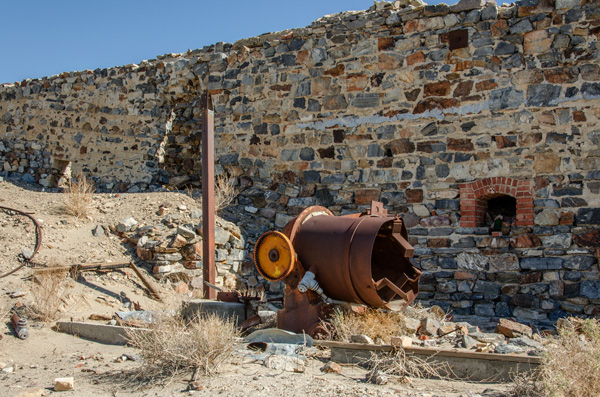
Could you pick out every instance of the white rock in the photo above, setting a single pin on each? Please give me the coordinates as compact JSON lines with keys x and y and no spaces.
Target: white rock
{"x":64,"y":384}
{"x":285,"y":363}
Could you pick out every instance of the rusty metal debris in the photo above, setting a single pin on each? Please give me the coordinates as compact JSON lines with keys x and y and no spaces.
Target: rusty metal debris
{"x":74,"y":269}
{"x":20,"y":326}
{"x":326,"y":260}
{"x":38,"y":239}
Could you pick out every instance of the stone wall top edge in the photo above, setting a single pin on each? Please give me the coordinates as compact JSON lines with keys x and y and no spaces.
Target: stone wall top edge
{"x":424,"y":11}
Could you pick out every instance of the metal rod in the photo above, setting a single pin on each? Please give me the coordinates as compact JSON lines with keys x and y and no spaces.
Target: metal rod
{"x":38,"y":239}
{"x":153,"y":292}
{"x":208,"y":196}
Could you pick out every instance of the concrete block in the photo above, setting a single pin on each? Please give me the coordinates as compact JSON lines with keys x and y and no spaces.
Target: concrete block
{"x":196,"y":307}
{"x":109,"y":334}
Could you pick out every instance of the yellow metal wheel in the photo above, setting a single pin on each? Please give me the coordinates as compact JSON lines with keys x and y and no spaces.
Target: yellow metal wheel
{"x":274,"y":256}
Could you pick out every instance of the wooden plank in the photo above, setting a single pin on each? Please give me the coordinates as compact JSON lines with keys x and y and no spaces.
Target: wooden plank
{"x":433,"y":351}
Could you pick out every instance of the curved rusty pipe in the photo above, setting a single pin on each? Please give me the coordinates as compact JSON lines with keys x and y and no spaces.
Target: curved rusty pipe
{"x":38,"y":238}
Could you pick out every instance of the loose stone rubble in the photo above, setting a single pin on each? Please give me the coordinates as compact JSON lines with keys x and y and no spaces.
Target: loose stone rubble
{"x":175,"y":247}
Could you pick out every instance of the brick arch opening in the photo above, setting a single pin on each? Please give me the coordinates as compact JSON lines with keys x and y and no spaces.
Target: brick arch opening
{"x":474,"y":198}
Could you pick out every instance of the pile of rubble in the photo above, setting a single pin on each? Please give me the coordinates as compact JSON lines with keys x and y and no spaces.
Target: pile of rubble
{"x":174,"y":246}
{"x":510,"y":337}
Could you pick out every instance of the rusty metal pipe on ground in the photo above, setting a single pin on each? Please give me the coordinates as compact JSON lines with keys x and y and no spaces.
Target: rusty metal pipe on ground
{"x":325,"y":259}
{"x":20,"y":326}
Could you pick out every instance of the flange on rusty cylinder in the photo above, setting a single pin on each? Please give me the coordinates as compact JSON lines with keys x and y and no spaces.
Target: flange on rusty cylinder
{"x":359,"y":258}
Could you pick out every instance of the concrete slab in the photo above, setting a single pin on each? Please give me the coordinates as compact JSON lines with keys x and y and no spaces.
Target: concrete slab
{"x":108,"y":334}
{"x":195,"y":307}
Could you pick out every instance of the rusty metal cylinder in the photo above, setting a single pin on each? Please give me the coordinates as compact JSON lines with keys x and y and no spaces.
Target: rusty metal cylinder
{"x":359,"y":259}
{"x":20,"y":326}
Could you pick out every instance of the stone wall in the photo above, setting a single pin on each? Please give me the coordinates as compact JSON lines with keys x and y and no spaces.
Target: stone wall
{"x":362,"y":106}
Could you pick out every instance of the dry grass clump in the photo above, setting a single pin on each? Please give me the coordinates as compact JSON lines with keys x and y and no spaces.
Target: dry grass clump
{"x":373,"y":323}
{"x":401,"y":364}
{"x":48,"y":290}
{"x":225,"y":192}
{"x":173,"y":345}
{"x":377,"y":323}
{"x":78,"y":197}
{"x":571,"y":362}
{"x":528,"y":384}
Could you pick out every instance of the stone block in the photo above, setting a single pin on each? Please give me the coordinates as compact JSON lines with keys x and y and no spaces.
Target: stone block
{"x":504,"y":262}
{"x":590,"y":289}
{"x":579,"y":262}
{"x":429,"y":327}
{"x":541,"y":263}
{"x":543,"y":94}
{"x":401,"y":341}
{"x":505,"y":98}
{"x":513,"y":329}
{"x":559,"y":241}
{"x":588,"y":216}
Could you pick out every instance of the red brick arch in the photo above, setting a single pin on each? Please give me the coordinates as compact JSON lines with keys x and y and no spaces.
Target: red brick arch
{"x":474,"y":197}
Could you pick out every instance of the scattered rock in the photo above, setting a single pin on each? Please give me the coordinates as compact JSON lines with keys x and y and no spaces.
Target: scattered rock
{"x":98,"y":231}
{"x":525,"y":342}
{"x":64,"y":384}
{"x":429,"y":327}
{"x":284,"y":363}
{"x":377,"y":377}
{"x":487,"y":337}
{"x":512,"y":329}
{"x":402,"y":341}
{"x":508,"y":349}
{"x":126,"y":225}
{"x":331,"y":366}
{"x":412,"y":325}
{"x":361,"y":339}
{"x":195,"y":386}
{"x":467,"y":342}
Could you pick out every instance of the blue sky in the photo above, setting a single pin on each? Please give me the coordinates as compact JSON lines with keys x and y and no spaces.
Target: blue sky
{"x":45,"y":37}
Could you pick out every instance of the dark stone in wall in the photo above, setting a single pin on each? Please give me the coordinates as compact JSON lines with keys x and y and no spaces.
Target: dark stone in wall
{"x":541,"y":263}
{"x":312,"y":176}
{"x":505,"y":98}
{"x":588,"y":216}
{"x":447,"y":204}
{"x":590,"y":289}
{"x":543,"y":94}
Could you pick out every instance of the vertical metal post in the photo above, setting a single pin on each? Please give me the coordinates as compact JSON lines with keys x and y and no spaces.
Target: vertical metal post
{"x":208,"y":195}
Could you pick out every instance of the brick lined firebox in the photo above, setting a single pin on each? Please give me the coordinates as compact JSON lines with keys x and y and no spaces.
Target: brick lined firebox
{"x":474,"y":197}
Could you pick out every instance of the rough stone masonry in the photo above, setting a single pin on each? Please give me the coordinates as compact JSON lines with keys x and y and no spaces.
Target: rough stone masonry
{"x":490,"y":150}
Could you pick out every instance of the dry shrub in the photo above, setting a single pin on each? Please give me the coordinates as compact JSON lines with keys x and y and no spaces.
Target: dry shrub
{"x":224,"y":191}
{"x":401,"y":364}
{"x":377,"y":323}
{"x":571,"y":362}
{"x":48,"y":290}
{"x":527,"y":384}
{"x":173,"y":345}
{"x":79,"y":197}
{"x":373,"y":323}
